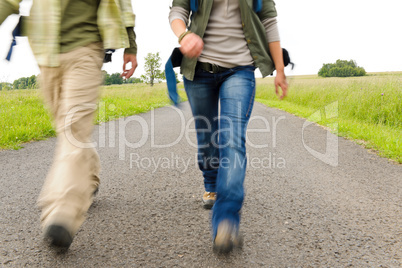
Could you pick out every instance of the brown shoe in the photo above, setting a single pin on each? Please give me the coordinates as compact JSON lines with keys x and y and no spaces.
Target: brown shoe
{"x":209,"y":199}
{"x":227,"y":238}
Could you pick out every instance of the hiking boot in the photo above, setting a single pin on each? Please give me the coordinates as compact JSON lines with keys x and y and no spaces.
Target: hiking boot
{"x":58,"y":236}
{"x":227,"y":238}
{"x":209,"y":199}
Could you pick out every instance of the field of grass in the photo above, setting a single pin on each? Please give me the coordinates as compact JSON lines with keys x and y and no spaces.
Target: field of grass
{"x":23,"y":117}
{"x":125,"y":100}
{"x":368,"y":109}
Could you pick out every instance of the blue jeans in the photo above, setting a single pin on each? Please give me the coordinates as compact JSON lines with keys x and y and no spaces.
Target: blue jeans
{"x":222,"y":138}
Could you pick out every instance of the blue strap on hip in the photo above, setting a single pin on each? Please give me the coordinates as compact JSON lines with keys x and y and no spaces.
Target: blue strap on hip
{"x":174,"y":61}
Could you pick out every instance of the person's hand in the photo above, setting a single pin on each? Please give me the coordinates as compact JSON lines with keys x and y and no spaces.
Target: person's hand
{"x":280,"y":81}
{"x":129,"y":58}
{"x":191,"y":45}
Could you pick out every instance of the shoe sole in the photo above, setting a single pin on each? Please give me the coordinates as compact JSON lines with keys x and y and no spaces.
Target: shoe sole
{"x":208,"y":204}
{"x":223,"y":249}
{"x":58,"y":236}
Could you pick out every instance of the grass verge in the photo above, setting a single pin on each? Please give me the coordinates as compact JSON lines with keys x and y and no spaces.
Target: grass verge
{"x":368,"y":109}
{"x":23,"y":117}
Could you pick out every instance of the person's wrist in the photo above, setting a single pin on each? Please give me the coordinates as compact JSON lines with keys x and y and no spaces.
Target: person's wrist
{"x":183,"y":35}
{"x":280,"y":70}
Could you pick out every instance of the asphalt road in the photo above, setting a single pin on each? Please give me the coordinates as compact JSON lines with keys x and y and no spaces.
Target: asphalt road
{"x":312,"y":200}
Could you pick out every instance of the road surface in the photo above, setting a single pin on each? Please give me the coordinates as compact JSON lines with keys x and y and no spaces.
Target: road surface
{"x":312,"y":199}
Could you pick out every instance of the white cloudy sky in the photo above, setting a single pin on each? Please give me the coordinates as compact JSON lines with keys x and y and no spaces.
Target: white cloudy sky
{"x":314,"y":32}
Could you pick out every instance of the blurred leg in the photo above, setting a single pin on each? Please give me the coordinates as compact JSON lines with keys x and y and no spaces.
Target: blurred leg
{"x":74,"y":176}
{"x":237,"y":99}
{"x":203,"y":95}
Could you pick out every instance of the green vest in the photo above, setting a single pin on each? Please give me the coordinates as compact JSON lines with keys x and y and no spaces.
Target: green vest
{"x":253,"y":29}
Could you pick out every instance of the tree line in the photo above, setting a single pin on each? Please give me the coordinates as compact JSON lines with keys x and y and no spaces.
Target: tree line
{"x":115,"y":79}
{"x":21,"y":83}
{"x":32,"y":81}
{"x":153,"y":74}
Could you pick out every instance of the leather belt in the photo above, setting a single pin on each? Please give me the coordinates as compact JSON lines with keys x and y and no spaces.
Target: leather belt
{"x":212,"y":68}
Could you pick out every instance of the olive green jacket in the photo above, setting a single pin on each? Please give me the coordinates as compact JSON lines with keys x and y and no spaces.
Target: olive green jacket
{"x":254,"y":32}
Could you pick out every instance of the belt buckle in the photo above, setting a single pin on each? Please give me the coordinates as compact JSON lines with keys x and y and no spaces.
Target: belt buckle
{"x":214,"y":68}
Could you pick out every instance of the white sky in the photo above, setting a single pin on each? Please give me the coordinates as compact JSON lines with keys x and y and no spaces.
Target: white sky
{"x":313,"y":31}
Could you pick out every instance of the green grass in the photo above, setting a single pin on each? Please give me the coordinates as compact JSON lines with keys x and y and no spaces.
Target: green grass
{"x":23,"y":117}
{"x":125,"y":100}
{"x":369,"y":109}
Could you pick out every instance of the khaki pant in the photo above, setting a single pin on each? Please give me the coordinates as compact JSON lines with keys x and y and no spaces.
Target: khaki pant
{"x":71,"y":92}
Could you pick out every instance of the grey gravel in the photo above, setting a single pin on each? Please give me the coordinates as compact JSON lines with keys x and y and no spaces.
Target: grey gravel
{"x":298,"y":212}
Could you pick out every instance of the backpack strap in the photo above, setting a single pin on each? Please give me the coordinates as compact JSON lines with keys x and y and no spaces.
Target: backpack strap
{"x":257,"y":5}
{"x":174,"y":61}
{"x":16,"y":32}
{"x":194,"y":5}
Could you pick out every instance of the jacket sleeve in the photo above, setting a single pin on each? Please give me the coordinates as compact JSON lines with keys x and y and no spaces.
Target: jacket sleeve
{"x":178,"y":13}
{"x":127,"y":14}
{"x":133,"y":44}
{"x":182,"y":3}
{"x":271,"y":28}
{"x":128,"y":18}
{"x":268,"y":10}
{"x":7,"y":8}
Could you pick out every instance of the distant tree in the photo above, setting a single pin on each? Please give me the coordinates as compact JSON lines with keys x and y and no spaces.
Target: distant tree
{"x":106,"y":78}
{"x":32,"y":82}
{"x":6,"y":86}
{"x":112,"y":79}
{"x":177,"y":78}
{"x":19,"y":83}
{"x":341,"y":68}
{"x":152,"y":69}
{"x":116,"y":79}
{"x":133,"y":80}
{"x":26,"y":83}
